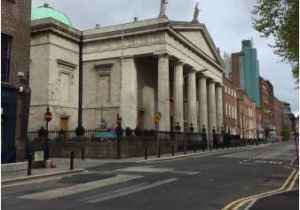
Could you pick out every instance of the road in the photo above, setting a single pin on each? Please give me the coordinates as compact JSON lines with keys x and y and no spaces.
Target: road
{"x":206,"y":182}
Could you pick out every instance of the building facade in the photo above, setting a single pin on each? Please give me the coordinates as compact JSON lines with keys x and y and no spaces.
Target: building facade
{"x":15,"y":91}
{"x":251,"y":71}
{"x":267,"y":107}
{"x":247,"y":116}
{"x":230,"y":106}
{"x":133,"y":69}
{"x":237,"y":61}
{"x":277,"y":118}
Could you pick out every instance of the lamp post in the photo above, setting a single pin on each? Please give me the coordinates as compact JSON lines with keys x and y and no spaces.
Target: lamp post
{"x":119,"y":133}
{"x":177,"y":129}
{"x":48,"y":118}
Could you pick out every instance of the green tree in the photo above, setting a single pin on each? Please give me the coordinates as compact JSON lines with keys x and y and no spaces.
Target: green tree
{"x":285,"y":133}
{"x":280,"y":19}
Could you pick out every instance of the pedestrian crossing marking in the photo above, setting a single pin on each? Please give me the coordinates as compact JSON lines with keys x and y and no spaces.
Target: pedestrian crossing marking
{"x":126,"y":191}
{"x":146,"y":169}
{"x":79,"y":188}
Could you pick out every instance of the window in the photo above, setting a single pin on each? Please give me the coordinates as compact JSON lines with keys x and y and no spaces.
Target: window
{"x":5,"y":57}
{"x":226,"y":109}
{"x":235,"y":113}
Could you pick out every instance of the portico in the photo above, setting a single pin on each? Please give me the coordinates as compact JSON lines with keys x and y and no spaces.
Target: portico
{"x":165,"y":66}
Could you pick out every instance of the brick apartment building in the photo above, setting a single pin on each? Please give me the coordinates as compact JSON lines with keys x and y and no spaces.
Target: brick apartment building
{"x":230,"y":106}
{"x":246,"y":116}
{"x":277,"y":117}
{"x":268,"y":107}
{"x":15,"y":91}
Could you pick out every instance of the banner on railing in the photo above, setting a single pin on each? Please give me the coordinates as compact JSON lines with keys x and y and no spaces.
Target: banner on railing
{"x":105,"y":135}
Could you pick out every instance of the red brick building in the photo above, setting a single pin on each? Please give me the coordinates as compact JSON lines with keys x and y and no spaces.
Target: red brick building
{"x":230,"y":106}
{"x":237,"y":69}
{"x":277,"y":117}
{"x":247,"y":116}
{"x":269,"y":106}
{"x":15,"y":92}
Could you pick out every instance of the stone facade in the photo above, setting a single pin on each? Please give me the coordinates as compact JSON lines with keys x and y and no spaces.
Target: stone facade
{"x":54,"y":75}
{"x":15,"y":91}
{"x":133,"y":69}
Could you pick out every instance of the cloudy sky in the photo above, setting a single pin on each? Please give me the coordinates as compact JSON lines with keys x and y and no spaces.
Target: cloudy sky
{"x":228,"y":21}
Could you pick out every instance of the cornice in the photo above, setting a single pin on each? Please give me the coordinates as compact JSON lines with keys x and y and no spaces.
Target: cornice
{"x":51,"y":25}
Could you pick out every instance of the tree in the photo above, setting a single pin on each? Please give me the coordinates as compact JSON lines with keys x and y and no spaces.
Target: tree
{"x":285,"y":133}
{"x":280,"y":19}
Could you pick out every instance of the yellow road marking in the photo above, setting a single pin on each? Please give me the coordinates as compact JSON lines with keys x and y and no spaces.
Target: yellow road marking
{"x":293,"y":182}
{"x":232,"y":204}
{"x":254,"y":197}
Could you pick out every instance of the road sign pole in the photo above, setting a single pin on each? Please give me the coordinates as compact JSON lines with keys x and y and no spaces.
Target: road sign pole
{"x":157,"y":139}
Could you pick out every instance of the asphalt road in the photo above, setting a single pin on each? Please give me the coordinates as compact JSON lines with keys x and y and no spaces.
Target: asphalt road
{"x":200,"y":182}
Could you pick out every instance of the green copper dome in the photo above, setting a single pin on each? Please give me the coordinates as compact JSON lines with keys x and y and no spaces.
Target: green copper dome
{"x":48,"y":12}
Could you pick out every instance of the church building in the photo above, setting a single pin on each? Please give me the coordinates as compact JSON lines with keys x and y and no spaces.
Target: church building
{"x":134,"y":70}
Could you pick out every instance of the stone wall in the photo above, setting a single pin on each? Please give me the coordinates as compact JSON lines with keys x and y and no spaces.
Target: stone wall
{"x":102,"y":87}
{"x":129,"y":148}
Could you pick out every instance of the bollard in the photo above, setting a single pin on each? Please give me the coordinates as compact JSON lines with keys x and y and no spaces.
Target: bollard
{"x":184,"y":146}
{"x":158,"y":152}
{"x":173,"y":150}
{"x":72,"y":161}
{"x":146,"y":153}
{"x":118,"y":148}
{"x":29,"y":164}
{"x":82,"y":153}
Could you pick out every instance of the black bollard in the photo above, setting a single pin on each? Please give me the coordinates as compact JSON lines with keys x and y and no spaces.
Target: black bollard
{"x":82,"y":153}
{"x":158,"y":152}
{"x":29,"y":164}
{"x":72,"y":161}
{"x":118,"y":148}
{"x":173,"y":150}
{"x":146,"y":153}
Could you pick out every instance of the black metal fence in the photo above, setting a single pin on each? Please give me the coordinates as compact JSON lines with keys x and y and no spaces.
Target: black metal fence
{"x":169,"y":141}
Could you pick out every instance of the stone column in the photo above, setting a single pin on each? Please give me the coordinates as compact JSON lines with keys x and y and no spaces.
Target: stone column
{"x":178,"y":94}
{"x":212,"y":118}
{"x":192,"y":101}
{"x":163,"y":92}
{"x":219,"y":103}
{"x":129,"y":92}
{"x":202,"y":102}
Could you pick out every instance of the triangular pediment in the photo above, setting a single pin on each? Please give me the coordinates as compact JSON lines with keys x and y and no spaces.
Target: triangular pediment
{"x":198,"y":35}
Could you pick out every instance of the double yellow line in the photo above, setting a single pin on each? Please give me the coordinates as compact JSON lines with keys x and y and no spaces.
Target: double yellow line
{"x":288,"y":185}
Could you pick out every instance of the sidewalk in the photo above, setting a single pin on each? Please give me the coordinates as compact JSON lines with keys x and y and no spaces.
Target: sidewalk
{"x":63,"y":164}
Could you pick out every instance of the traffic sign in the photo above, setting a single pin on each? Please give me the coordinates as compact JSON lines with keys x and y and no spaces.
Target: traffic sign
{"x":157,"y":117}
{"x":48,"y":116}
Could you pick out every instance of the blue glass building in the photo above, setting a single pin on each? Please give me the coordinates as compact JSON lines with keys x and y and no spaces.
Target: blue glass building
{"x":251,"y":71}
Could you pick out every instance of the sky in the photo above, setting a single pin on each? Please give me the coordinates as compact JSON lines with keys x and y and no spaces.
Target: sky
{"x":228,"y":22}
